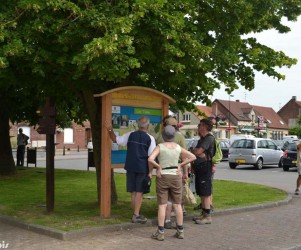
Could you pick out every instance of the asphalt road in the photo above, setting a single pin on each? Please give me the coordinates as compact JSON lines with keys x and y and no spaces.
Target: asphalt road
{"x":269,"y":175}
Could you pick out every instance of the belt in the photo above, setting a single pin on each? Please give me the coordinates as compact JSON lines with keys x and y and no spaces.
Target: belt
{"x":173,"y":167}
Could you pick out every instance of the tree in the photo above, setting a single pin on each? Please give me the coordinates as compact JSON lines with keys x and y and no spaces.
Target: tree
{"x":185,"y":49}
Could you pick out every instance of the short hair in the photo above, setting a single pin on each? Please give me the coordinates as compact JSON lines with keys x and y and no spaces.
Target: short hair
{"x":20,"y":130}
{"x":143,"y":122}
{"x":208,"y":123}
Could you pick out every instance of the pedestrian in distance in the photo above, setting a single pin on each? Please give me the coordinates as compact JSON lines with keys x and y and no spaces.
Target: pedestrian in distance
{"x":22,"y":141}
{"x":169,"y":179}
{"x":139,"y":144}
{"x":203,"y":170}
{"x":298,"y":182}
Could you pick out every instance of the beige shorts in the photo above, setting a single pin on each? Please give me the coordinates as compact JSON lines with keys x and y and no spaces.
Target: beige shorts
{"x":169,"y":188}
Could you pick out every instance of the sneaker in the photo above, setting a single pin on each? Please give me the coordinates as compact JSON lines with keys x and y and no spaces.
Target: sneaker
{"x":158,"y":235}
{"x":168,"y":225}
{"x":139,"y":219}
{"x":206,"y":219}
{"x":297,"y":191}
{"x":180,"y":234}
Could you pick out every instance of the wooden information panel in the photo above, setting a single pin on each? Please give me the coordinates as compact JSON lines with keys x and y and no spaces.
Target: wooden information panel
{"x":123,"y":106}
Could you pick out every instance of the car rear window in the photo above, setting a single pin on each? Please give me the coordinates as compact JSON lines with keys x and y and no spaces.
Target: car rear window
{"x":243,"y":143}
{"x":292,"y":147}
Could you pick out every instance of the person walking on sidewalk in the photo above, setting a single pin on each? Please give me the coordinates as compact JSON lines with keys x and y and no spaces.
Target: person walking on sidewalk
{"x":298,"y":182}
{"x":21,"y":142}
{"x":139,"y":144}
{"x":203,"y":170}
{"x":169,"y":179}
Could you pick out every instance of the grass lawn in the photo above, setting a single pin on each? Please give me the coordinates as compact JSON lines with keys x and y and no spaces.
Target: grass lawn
{"x":23,"y":196}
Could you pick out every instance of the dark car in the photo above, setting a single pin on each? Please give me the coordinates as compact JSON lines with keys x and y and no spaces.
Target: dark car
{"x":289,"y":158}
{"x":225,"y":149}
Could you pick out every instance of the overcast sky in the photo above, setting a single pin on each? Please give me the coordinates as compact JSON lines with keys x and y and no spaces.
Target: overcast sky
{"x":268,"y":92}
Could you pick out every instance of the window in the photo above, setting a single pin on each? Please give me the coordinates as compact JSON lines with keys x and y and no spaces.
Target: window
{"x":186,"y":117}
{"x":68,"y":135}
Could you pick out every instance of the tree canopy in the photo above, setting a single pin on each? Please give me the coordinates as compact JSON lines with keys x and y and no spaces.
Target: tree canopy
{"x":186,"y":49}
{"x":183,"y":48}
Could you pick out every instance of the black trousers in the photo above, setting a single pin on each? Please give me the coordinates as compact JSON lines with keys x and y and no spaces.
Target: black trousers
{"x":20,"y":155}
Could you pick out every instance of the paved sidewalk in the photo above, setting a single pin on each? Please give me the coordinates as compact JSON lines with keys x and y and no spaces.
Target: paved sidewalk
{"x":276,"y":227}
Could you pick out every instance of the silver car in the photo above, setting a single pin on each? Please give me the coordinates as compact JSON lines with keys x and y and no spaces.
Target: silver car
{"x":254,"y":151}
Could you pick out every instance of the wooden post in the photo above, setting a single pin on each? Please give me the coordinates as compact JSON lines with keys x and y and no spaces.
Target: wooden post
{"x":105,"y":168}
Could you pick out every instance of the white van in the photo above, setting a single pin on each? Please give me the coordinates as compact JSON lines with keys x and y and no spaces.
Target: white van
{"x":290,"y":137}
{"x":239,"y":136}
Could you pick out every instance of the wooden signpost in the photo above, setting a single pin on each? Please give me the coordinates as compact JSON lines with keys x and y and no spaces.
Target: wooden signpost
{"x":123,"y":106}
{"x":47,"y":126}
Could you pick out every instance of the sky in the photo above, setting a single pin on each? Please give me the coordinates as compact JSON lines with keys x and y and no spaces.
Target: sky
{"x":269,"y":92}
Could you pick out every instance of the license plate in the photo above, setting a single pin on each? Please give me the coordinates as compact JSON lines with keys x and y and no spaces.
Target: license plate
{"x":294,"y":162}
{"x":239,"y":161}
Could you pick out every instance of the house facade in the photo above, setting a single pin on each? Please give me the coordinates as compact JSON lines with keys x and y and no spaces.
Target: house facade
{"x":232,"y":117}
{"x":75,"y":137}
{"x":290,"y":112}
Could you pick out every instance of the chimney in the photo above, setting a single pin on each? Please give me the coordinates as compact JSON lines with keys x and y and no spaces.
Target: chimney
{"x":237,"y":100}
{"x":294,"y":98}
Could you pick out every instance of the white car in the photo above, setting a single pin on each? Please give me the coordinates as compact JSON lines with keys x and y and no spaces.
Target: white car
{"x":254,"y":151}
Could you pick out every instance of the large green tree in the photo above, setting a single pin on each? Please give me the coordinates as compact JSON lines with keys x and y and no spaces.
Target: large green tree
{"x":185,"y":49}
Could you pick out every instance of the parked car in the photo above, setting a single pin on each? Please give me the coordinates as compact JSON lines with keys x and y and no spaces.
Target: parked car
{"x":191,"y":143}
{"x":254,"y":151}
{"x":239,"y":136}
{"x":289,"y":158}
{"x":224,"y":144}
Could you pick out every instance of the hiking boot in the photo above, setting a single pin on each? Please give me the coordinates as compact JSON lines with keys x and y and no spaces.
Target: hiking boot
{"x":180,"y":234}
{"x":198,"y":217}
{"x":168,"y":225}
{"x":198,"y":207}
{"x":158,"y":235}
{"x":206,"y":219}
{"x":139,"y":219}
{"x":297,"y":191}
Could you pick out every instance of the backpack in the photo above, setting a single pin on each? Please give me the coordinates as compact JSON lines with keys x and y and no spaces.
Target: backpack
{"x":217,"y":152}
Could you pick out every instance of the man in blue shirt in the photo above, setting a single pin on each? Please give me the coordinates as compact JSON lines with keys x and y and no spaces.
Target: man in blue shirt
{"x":140,"y":145}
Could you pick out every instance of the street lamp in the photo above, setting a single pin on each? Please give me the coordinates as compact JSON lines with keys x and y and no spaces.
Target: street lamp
{"x":229,"y":114}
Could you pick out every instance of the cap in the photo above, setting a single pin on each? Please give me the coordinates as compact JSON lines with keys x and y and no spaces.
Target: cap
{"x":168,"y":133}
{"x":171,"y":121}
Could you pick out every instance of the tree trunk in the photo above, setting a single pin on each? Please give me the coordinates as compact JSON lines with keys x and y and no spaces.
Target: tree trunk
{"x":93,"y":109}
{"x":7,"y":164}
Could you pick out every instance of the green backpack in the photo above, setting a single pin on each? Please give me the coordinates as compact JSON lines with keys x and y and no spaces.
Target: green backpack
{"x":217,"y":153}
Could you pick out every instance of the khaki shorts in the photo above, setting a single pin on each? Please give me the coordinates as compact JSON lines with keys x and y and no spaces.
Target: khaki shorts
{"x":169,"y":188}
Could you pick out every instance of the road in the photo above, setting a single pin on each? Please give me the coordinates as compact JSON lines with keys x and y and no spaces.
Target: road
{"x":271,"y":175}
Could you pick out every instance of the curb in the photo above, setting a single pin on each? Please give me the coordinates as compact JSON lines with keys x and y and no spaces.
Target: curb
{"x":66,"y":236}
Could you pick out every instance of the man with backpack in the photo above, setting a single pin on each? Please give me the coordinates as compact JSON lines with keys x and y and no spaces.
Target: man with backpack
{"x":204,"y":152}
